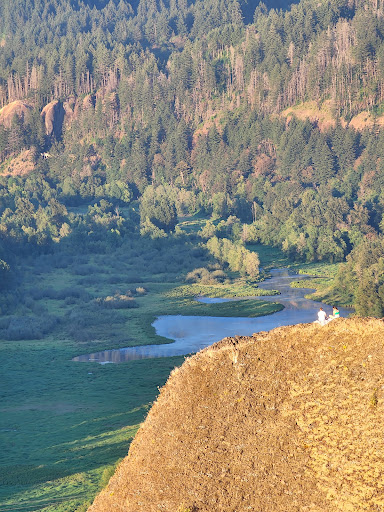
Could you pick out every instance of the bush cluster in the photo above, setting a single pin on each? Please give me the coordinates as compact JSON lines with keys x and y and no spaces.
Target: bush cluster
{"x":86,"y":322}
{"x":27,"y":327}
{"x":63,"y":294}
{"x":117,"y":301}
{"x":204,"y":275}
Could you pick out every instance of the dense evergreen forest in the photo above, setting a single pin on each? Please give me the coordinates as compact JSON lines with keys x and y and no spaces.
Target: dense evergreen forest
{"x":119,"y":118}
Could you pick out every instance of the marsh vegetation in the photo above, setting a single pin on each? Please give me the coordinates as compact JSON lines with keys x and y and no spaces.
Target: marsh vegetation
{"x":63,"y":424}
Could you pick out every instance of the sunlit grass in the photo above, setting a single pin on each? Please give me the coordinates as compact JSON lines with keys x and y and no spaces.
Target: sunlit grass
{"x":328,"y":270}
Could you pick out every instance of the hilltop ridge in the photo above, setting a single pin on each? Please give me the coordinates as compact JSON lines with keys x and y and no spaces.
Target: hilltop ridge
{"x":283,"y":420}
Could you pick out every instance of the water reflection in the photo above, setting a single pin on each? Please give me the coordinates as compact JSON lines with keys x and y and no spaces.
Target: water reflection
{"x":192,"y":333}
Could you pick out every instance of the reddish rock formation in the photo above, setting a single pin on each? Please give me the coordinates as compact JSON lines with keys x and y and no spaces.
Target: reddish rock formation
{"x":53,"y":115}
{"x":7,"y":113}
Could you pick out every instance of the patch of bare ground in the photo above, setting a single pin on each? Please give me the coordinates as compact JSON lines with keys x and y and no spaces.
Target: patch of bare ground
{"x":289,"y":420}
{"x":322,"y":115}
{"x":23,"y":164}
{"x":366,"y":120}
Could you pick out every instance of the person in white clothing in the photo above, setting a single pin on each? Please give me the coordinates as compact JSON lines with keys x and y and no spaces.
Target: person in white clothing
{"x":322,"y":317}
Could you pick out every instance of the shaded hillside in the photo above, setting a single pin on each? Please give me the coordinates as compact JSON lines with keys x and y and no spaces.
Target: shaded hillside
{"x":281,"y":421}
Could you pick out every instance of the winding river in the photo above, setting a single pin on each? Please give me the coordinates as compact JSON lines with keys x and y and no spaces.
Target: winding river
{"x":192,"y":333}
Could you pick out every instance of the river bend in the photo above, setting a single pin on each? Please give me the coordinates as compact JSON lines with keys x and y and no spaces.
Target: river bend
{"x":192,"y":333}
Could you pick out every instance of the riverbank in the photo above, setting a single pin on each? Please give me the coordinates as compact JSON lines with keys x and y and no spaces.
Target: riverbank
{"x":64,"y":425}
{"x":322,"y":276}
{"x":189,"y":334}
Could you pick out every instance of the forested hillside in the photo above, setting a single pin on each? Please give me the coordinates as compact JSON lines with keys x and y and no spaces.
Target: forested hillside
{"x":268,"y":120}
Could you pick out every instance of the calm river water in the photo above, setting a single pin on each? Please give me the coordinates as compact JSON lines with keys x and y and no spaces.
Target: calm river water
{"x":192,"y":333}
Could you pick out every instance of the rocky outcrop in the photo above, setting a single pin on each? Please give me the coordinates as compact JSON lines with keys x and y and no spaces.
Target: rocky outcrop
{"x":70,"y":110}
{"x":289,"y":420}
{"x":18,"y":108}
{"x":53,"y":116}
{"x":88,"y":102}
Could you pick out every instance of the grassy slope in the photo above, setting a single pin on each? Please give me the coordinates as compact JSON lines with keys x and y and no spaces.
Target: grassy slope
{"x":63,"y":423}
{"x":286,"y":420}
{"x":325,"y":117}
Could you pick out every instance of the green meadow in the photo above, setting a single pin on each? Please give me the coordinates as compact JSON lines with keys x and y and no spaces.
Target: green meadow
{"x":64,"y":425}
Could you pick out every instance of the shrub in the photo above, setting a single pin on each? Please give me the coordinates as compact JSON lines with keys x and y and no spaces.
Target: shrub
{"x":87,"y":322}
{"x":90,"y":280}
{"x":43,"y":263}
{"x":219,"y":275}
{"x":29,"y":302}
{"x":75,"y":292}
{"x":91,"y":316}
{"x":114,"y":279}
{"x":85,"y":270}
{"x":184,"y":508}
{"x":81,"y":335}
{"x":204,"y":276}
{"x":132,"y":278}
{"x":64,"y":293}
{"x":29,"y":327}
{"x":198,"y":275}
{"x":37,"y":293}
{"x":117,"y":302}
{"x":84,"y":507}
{"x":106,"y":476}
{"x":62,"y":260}
{"x":4,"y":322}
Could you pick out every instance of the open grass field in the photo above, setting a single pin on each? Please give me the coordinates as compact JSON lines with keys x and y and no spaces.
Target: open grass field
{"x":64,"y":425}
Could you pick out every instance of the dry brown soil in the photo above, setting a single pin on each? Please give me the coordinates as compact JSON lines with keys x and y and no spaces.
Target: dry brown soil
{"x":21,"y":165}
{"x":290,"y":420}
{"x":325,"y":118}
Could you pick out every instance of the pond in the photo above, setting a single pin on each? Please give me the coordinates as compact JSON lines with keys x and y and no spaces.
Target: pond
{"x":192,"y":333}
